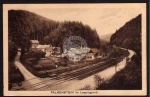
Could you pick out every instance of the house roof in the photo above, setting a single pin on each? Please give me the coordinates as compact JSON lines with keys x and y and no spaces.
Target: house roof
{"x":94,"y":50}
{"x":42,"y":46}
{"x":79,"y":50}
{"x":57,"y":48}
{"x":49,"y":48}
{"x":34,"y":41}
{"x":47,"y":54}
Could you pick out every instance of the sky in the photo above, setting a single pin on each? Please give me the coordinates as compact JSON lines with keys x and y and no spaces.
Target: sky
{"x":105,"y":20}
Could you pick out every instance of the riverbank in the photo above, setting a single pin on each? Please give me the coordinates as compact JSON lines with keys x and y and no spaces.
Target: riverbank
{"x":130,"y":78}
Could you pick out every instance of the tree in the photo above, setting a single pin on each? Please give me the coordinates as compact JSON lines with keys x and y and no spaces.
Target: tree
{"x":18,"y":35}
{"x":40,"y":54}
{"x":104,"y":46}
{"x":98,"y":80}
{"x":73,"y":28}
{"x":47,"y":39}
{"x":12,"y":50}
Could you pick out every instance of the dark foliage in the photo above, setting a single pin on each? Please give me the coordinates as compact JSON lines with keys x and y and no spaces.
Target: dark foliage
{"x":130,"y":78}
{"x":129,"y":36}
{"x":35,"y":54}
{"x":29,"y":24}
{"x":24,"y":26}
{"x":12,"y":50}
{"x":104,"y":45}
{"x":117,"y":52}
{"x":68,"y":28}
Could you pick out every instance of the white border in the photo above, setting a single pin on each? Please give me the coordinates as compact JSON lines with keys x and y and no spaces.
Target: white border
{"x":7,"y":7}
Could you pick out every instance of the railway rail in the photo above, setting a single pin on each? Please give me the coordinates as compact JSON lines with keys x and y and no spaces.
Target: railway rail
{"x":75,"y":74}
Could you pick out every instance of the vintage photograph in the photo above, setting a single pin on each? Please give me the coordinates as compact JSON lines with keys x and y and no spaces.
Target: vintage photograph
{"x":63,"y":48}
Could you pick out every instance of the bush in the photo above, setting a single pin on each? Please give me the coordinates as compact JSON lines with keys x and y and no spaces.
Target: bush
{"x":61,"y":70}
{"x":46,"y":61}
{"x":117,"y":52}
{"x":42,"y":73}
{"x":40,"y":67}
{"x":73,"y":67}
{"x":35,"y":54}
{"x":98,"y":80}
{"x":12,"y":50}
{"x":37,"y":67}
{"x":137,"y":59}
{"x":14,"y":74}
{"x":28,"y":62}
{"x":87,"y":87}
{"x":68,"y":69}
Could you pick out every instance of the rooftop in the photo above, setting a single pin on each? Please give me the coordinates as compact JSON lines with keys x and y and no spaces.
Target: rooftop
{"x":34,"y":41}
{"x":95,"y":50}
{"x":43,"y":46}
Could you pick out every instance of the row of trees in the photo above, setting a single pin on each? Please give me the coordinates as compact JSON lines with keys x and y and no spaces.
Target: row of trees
{"x":12,"y":50}
{"x":35,"y":54}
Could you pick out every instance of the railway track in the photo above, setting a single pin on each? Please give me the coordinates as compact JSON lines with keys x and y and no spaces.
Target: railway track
{"x":81,"y":76}
{"x":76,"y":74}
{"x":43,"y":81}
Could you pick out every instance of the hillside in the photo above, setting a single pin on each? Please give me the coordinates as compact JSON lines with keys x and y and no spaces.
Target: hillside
{"x":29,"y":24}
{"x":129,"y":35}
{"x":24,"y":26}
{"x":73,"y":28}
{"x":130,"y":78}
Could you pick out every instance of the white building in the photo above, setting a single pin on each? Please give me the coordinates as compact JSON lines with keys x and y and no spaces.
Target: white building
{"x":34,"y":43}
{"x":42,"y":47}
{"x":76,"y":54}
{"x":90,"y":56}
{"x":93,"y":54}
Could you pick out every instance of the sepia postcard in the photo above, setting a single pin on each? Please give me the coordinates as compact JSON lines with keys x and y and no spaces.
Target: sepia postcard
{"x":75,"y":49}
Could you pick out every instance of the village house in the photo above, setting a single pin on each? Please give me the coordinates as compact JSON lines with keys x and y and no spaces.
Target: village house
{"x":95,"y":51}
{"x":42,"y":47}
{"x":49,"y":49}
{"x":78,"y":52}
{"x":93,"y":54}
{"x":90,"y":56}
{"x":34,"y":44}
{"x":57,"y":50}
{"x":47,"y":55}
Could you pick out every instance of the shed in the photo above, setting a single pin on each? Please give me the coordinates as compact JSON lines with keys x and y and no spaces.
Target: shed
{"x":42,"y":47}
{"x":34,"y":43}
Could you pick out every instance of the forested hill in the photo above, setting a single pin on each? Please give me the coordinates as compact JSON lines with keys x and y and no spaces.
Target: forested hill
{"x":73,"y":28}
{"x":129,"y":35}
{"x":25,"y":26}
{"x":29,"y":24}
